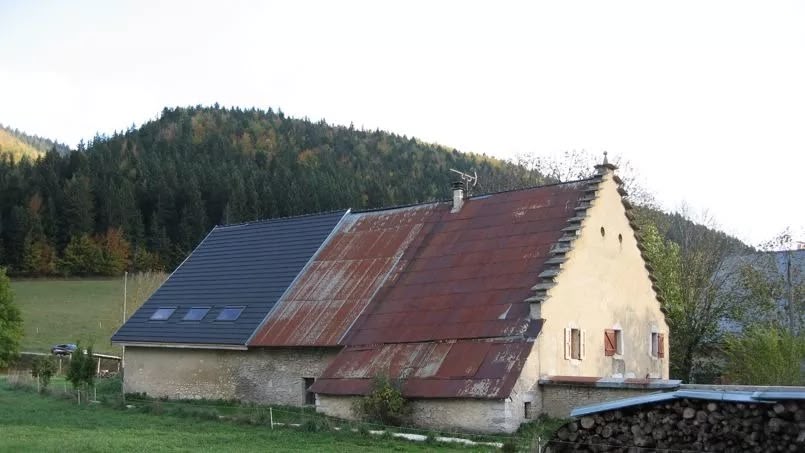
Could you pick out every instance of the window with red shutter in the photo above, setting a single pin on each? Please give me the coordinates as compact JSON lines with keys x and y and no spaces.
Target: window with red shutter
{"x":661,"y":345}
{"x":610,"y":342}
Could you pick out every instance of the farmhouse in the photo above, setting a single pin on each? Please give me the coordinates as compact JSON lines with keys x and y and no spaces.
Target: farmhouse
{"x":469,"y":303}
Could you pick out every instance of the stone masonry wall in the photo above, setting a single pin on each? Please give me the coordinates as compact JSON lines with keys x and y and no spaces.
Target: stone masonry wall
{"x":267,"y":376}
{"x":467,"y":415}
{"x":559,"y":400}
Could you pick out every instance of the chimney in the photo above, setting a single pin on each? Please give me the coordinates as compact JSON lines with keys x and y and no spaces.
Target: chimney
{"x":458,"y":196}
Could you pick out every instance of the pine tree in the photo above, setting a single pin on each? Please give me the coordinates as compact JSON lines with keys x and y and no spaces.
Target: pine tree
{"x":78,"y":213}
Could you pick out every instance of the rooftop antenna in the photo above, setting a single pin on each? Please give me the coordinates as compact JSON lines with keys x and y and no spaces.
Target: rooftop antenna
{"x":467,"y":179}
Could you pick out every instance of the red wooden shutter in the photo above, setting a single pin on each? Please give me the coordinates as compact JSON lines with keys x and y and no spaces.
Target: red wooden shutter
{"x":660,"y":345}
{"x":610,"y":342}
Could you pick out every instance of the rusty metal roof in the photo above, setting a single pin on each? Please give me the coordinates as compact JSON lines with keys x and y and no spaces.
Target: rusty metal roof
{"x":471,"y":272}
{"x":460,"y":369}
{"x":451,"y":315}
{"x":342,"y":279}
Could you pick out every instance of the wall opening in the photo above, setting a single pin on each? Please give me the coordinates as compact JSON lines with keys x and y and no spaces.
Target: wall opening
{"x":527,"y":410}
{"x":575,"y":344}
{"x":310,"y":397}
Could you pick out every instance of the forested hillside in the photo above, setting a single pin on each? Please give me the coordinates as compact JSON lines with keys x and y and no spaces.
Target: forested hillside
{"x":19,"y":144}
{"x":143,"y":198}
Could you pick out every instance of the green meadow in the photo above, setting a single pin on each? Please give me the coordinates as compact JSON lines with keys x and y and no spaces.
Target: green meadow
{"x":69,"y":310}
{"x":30,"y":422}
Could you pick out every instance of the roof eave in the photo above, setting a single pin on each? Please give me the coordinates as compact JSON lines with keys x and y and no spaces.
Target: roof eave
{"x":143,"y":344}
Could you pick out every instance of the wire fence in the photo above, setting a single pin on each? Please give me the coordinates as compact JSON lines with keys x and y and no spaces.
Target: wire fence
{"x":107,"y":392}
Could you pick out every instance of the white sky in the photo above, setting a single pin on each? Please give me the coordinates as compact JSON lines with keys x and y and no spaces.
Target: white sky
{"x":705,"y":98}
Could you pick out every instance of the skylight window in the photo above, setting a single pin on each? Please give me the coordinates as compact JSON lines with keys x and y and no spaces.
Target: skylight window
{"x":229,"y":314}
{"x":163,"y":313}
{"x":196,"y":313}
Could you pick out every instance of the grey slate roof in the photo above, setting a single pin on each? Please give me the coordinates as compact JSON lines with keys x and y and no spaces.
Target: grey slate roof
{"x":247,"y":265}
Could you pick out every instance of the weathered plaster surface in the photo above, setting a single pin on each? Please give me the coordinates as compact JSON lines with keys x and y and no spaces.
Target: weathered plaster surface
{"x":268,"y":376}
{"x":603,"y":285}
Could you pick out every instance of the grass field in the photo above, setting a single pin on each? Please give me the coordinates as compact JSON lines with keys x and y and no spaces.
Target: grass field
{"x":66,"y":310}
{"x":30,"y":422}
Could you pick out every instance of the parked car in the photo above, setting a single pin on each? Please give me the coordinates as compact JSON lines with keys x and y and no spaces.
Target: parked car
{"x":63,"y":349}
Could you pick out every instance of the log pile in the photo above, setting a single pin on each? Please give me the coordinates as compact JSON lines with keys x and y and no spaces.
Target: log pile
{"x":688,"y":424}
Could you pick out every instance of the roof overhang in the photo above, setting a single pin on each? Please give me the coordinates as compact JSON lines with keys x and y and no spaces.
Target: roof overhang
{"x":140,"y":344}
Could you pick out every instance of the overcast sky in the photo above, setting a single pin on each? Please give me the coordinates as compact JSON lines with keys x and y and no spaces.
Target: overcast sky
{"x":706,"y":99}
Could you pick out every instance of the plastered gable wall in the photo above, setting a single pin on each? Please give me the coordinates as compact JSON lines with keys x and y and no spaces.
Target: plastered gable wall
{"x":603,"y":285}
{"x":267,"y":376}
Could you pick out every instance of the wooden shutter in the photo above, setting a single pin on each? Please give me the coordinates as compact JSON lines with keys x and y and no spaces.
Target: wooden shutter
{"x":582,"y":342}
{"x":610,"y":342}
{"x":660,"y":345}
{"x":567,"y":343}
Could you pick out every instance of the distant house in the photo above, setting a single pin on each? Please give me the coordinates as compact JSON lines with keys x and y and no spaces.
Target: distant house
{"x":468,"y":303}
{"x":779,"y":277}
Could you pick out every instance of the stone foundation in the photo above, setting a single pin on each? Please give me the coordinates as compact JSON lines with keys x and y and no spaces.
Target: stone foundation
{"x":560,"y":397}
{"x":466,"y":415}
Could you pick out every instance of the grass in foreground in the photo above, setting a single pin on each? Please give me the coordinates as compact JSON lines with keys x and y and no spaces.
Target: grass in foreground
{"x":66,"y":310}
{"x":31,"y":422}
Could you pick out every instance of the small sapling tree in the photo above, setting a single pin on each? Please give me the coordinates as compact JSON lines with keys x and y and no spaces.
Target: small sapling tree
{"x":82,"y":370}
{"x":43,"y":368}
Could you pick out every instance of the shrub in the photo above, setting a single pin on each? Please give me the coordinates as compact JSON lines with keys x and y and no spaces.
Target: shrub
{"x":385,"y":404}
{"x":43,"y":368}
{"x":766,"y":355}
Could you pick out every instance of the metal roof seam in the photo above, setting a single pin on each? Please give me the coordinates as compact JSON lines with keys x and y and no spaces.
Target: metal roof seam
{"x":380,"y":288}
{"x":312,"y":258}
{"x":398,"y":257}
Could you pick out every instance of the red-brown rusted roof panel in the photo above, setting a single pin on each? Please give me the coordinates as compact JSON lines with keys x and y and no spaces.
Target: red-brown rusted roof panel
{"x":469,"y":276}
{"x":464,"y":369}
{"x":329,"y":296}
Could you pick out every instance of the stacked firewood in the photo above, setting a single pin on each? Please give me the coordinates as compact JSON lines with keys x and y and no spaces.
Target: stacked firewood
{"x":688,"y":424}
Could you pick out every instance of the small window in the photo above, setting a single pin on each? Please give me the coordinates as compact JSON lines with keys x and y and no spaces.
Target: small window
{"x":527,"y":410}
{"x":603,"y":232}
{"x":310,"y":397}
{"x":620,"y":238}
{"x":162,"y":314}
{"x":574,"y":344}
{"x":657,"y":345}
{"x":229,"y":314}
{"x":196,"y":313}
{"x":613,"y":342}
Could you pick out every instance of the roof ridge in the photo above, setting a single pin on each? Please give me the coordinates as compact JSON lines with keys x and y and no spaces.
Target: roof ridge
{"x":275,"y":219}
{"x":485,"y":194}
